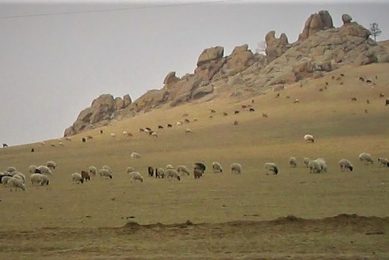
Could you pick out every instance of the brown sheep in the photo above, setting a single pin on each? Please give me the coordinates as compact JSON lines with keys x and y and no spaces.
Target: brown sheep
{"x":85,"y":176}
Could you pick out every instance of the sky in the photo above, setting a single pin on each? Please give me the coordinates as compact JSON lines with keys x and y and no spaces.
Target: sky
{"x":56,"y":58}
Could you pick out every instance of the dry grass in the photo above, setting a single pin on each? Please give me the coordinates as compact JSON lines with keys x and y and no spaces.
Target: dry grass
{"x":342,"y":129}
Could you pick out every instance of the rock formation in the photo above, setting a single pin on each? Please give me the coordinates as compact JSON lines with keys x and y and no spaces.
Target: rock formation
{"x":316,"y":22}
{"x":275,"y":47}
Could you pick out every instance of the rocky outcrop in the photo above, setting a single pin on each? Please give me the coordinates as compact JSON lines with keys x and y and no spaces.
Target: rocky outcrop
{"x":101,"y":110}
{"x":170,"y":78}
{"x":210,"y":54}
{"x":316,"y":22}
{"x":275,"y":47}
{"x":346,"y":19}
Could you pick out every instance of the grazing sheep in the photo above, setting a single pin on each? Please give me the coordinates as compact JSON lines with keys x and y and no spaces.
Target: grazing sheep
{"x":135,"y":155}
{"x":150,"y":171}
{"x":172,"y":173}
{"x":225,"y":114}
{"x":169,"y":166}
{"x":236,"y":122}
{"x":309,"y":138}
{"x":112,"y":134}
{"x":43,"y":169}
{"x":383,"y":162}
{"x":353,"y":99}
{"x":32,"y":150}
{"x":101,"y":131}
{"x":199,"y":169}
{"x":186,"y":120}
{"x":264,"y":115}
{"x":292,"y":162}
{"x":51,"y":165}
{"x":92,"y":170}
{"x":159,"y":173}
{"x":381,"y":95}
{"x":169,"y":125}
{"x":5,"y":145}
{"x":11,"y":169}
{"x":365,"y":158}
{"x":345,"y":165}
{"x":20,"y":176}
{"x":135,"y":176}
{"x":213,"y":111}
{"x":188,"y":131}
{"x":85,"y":176}
{"x":154,"y":134}
{"x":387,"y":102}
{"x":178,"y":123}
{"x":306,"y":161}
{"x":217,"y":167}
{"x":252,"y":109}
{"x":130,"y":169}
{"x":183,"y":170}
{"x":322,"y":164}
{"x":296,"y":101}
{"x":236,"y":168}
{"x":39,"y":179}
{"x":77,"y":178}
{"x":314,"y":166}
{"x":236,"y":112}
{"x":4,"y":178}
{"x":271,"y":167}
{"x":16,"y":183}
{"x":104,"y":172}
{"x":160,"y":127}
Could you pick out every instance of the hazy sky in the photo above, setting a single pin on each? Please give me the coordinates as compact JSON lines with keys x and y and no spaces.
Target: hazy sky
{"x":56,"y":58}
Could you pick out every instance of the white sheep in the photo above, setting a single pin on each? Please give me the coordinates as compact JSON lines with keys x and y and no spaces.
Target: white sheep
{"x":314,"y":166}
{"x":236,"y":168}
{"x":130,"y":169}
{"x":104,"y":172}
{"x":51,"y":165}
{"x":183,"y":170}
{"x":271,"y":167}
{"x":20,"y":176}
{"x":322,"y":164}
{"x":136,"y":176}
{"x":383,"y":162}
{"x":345,"y":165}
{"x":11,"y":169}
{"x":16,"y":183}
{"x":292,"y":162}
{"x":169,"y":166}
{"x":39,"y":179}
{"x":306,"y":161}
{"x":309,"y":138}
{"x":179,"y":123}
{"x":154,"y":134}
{"x":188,"y":131}
{"x":113,"y":135}
{"x":43,"y":169}
{"x":5,"y":178}
{"x":135,"y":155}
{"x":217,"y":167}
{"x":172,"y":173}
{"x":366,"y":158}
{"x":77,"y":178}
{"x":92,"y":170}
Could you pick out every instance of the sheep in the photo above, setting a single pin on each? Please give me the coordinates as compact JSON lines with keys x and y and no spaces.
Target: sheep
{"x":159,"y":173}
{"x":292,"y":162}
{"x":39,"y":179}
{"x":136,"y":176}
{"x":85,"y":176}
{"x":322,"y":164}
{"x":20,"y":176}
{"x":4,"y":178}
{"x":135,"y":155}
{"x":51,"y":165}
{"x":16,"y":183}
{"x":236,"y":122}
{"x":172,"y":173}
{"x":387,"y":102}
{"x":200,"y":168}
{"x":92,"y":170}
{"x":252,"y":109}
{"x":11,"y":169}
{"x":183,"y":170}
{"x":345,"y":164}
{"x":188,"y":131}
{"x":264,"y":115}
{"x":112,"y":134}
{"x":104,"y":172}
{"x":383,"y":162}
{"x":77,"y":178}
{"x":178,"y":123}
{"x":160,"y":127}
{"x":309,"y":138}
{"x":130,"y":169}
{"x":314,"y":166}
{"x":365,"y":158}
{"x":271,"y":168}
{"x":169,"y":166}
{"x":150,"y":170}
{"x":83,"y":140}
{"x":217,"y":167}
{"x":169,"y":125}
{"x":154,"y":134}
{"x":306,"y":161}
{"x":5,"y":145}
{"x":236,"y":168}
{"x":186,"y":120}
{"x":43,"y":169}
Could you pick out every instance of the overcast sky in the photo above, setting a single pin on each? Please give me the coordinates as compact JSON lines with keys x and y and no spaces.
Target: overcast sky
{"x":55,"y":59}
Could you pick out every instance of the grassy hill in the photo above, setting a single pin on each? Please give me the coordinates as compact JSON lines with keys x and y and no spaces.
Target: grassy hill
{"x":343,"y":129}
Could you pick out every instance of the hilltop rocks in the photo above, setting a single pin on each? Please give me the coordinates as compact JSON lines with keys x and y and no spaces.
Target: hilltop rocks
{"x":356,"y":30}
{"x":346,"y":19}
{"x":210,"y":54}
{"x":315,"y":23}
{"x":170,"y":78}
{"x":101,"y":109}
{"x":275,"y":47}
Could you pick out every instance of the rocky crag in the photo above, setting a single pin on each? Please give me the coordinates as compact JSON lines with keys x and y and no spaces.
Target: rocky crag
{"x":320,"y":48}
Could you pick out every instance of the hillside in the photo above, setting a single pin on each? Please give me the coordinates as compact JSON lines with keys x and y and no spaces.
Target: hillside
{"x":321,"y":48}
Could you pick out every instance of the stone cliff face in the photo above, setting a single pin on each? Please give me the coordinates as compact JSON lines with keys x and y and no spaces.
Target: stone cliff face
{"x":320,"y":48}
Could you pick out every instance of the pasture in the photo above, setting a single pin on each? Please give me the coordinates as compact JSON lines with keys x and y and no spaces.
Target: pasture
{"x":90,"y":220}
